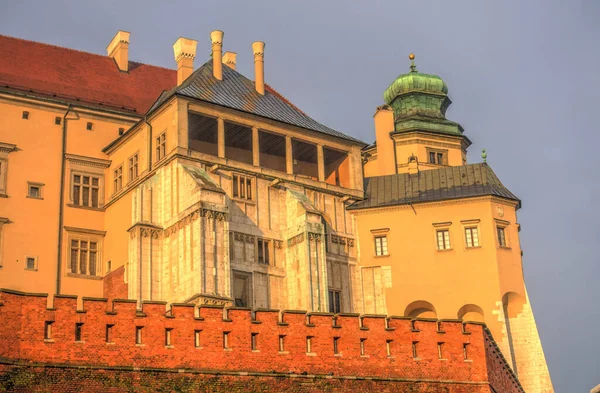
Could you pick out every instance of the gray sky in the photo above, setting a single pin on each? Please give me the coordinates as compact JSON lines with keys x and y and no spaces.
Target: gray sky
{"x":524,"y":77}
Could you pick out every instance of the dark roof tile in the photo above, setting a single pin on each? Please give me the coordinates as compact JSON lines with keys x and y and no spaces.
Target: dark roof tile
{"x":432,"y":185}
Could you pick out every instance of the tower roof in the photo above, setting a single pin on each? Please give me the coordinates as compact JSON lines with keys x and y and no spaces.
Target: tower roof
{"x":467,"y":181}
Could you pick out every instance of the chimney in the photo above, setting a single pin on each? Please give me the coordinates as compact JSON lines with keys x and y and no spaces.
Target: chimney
{"x":258,"y":48}
{"x":217,"y":47}
{"x":184,"y":50}
{"x":118,"y":50}
{"x":229,"y":59}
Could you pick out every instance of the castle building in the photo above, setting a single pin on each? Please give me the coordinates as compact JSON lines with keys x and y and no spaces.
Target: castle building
{"x":200,"y":186}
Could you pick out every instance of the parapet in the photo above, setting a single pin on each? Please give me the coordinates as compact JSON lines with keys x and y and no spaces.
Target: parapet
{"x":187,"y":337}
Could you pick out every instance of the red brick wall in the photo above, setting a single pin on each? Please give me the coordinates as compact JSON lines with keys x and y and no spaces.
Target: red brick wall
{"x":114,"y":284}
{"x":499,"y":373}
{"x":27,"y":315}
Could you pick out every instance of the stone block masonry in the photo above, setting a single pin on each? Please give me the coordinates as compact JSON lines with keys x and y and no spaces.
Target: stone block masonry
{"x":114,"y":346}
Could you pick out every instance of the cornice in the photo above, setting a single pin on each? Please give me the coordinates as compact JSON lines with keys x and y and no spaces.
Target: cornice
{"x":85,"y":231}
{"x":7,"y":147}
{"x":448,"y":202}
{"x":87,"y":161}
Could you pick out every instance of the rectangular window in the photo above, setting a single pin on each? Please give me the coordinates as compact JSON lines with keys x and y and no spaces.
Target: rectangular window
{"x":3,"y":170}
{"x":31,"y":263}
{"x":138,"y":334}
{"x":308,"y":344}
{"x":440,"y":347}
{"x":431,"y":157}
{"x":440,"y":158}
{"x":263,"y":251}
{"x":388,"y":347}
{"x":472,"y":237}
{"x":84,"y":257}
{"x":225,"y":340}
{"x":363,"y":350}
{"x":381,"y":247}
{"x":253,"y":341}
{"x":48,"y":330}
{"x":168,"y":337}
{"x":86,"y":190}
{"x":161,"y":146}
{"x":334,"y":301}
{"x":133,"y":167}
{"x":34,"y":190}
{"x":336,"y":349}
{"x":501,"y":236}
{"x":465,"y":351}
{"x":118,"y":179}
{"x":443,"y":239}
{"x":197,"y":338}
{"x":242,"y":187}
{"x":78,"y":328}
{"x":25,"y":115}
{"x":281,"y":343}
{"x":414,"y":349}
{"x":109,"y":333}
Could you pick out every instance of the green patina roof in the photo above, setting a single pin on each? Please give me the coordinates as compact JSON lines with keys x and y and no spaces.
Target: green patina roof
{"x":419,"y":102}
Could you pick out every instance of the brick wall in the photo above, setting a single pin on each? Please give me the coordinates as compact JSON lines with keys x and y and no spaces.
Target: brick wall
{"x":114,"y":284}
{"x":24,"y":318}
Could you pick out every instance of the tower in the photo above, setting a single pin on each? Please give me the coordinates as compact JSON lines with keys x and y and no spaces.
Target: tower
{"x":439,"y":238}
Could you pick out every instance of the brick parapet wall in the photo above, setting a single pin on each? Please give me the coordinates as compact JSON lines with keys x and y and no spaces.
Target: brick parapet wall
{"x":114,"y":286}
{"x":24,"y":318}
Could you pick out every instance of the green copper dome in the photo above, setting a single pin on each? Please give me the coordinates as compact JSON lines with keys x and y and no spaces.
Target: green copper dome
{"x":419,"y":102}
{"x":415,"y":82}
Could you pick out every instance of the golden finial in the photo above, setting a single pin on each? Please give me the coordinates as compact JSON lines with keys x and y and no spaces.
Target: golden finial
{"x":413,"y":67}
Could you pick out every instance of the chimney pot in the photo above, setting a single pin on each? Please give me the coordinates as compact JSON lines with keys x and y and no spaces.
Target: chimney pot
{"x":216,"y":38}
{"x":184,"y":50}
{"x":229,"y":59}
{"x":118,"y":50}
{"x":258,"y":48}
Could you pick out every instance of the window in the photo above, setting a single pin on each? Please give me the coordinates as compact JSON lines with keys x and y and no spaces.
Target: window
{"x":86,"y":190}
{"x":133,"y":167}
{"x":84,"y":257}
{"x":308,"y":344}
{"x":501,"y":236}
{"x":48,"y":330}
{"x":161,"y":146}
{"x":334,"y":301}
{"x":121,"y":131}
{"x":281,"y":343}
{"x":242,"y":187}
{"x":438,"y":157}
{"x":472,"y":237}
{"x":138,"y":334}
{"x":414,"y":349}
{"x":78,"y":329}
{"x":440,"y":347}
{"x":25,"y":115}
{"x":242,"y":289}
{"x":336,"y":349}
{"x":443,"y":239}
{"x":3,"y":170}
{"x":89,"y":126}
{"x":466,"y":351}
{"x":388,"y":347}
{"x":34,"y":190}
{"x":362,"y":346}
{"x":253,"y":341}
{"x":381,"y":245}
{"x":168,"y":337}
{"x":31,"y":263}
{"x":57,"y":120}
{"x":109,"y":333}
{"x":118,"y":179}
{"x":225,"y":340}
{"x":197,"y":338}
{"x":263,"y":251}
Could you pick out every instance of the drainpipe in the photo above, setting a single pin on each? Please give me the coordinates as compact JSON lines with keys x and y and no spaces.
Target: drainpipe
{"x":61,"y":200}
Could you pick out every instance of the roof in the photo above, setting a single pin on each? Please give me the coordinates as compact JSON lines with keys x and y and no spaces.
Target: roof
{"x":76,"y":76}
{"x":237,"y":92}
{"x":446,"y":183}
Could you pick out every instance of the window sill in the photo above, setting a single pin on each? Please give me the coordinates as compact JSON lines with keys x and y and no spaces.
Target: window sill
{"x":3,"y":195}
{"x":98,"y":209}
{"x":311,"y":354}
{"x":446,"y":250}
{"x":49,"y":341}
{"x":472,"y":248}
{"x":32,"y":197}
{"x":381,"y":256}
{"x":241,"y":200}
{"x":504,"y":248}
{"x":31,"y":270}
{"x":87,"y":276}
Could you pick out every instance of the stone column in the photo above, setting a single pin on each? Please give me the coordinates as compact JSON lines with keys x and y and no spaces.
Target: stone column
{"x":320,"y":163}
{"x":221,"y":137}
{"x":289,"y":159}
{"x":255,"y":147}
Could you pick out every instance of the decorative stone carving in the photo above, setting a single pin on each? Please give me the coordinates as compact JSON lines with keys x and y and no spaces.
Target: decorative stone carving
{"x":299,"y":238}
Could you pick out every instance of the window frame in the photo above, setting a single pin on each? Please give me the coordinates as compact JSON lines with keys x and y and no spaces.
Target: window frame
{"x":133,"y":165}
{"x":99,"y":187}
{"x":264,"y":249}
{"x":3,"y":175}
{"x":89,"y":236}
{"x":161,"y":146}
{"x":118,"y":179}
{"x":240,"y":192}
{"x":447,"y":244}
{"x":504,"y":242}
{"x":331,"y":294}
{"x":35,"y":263}
{"x":381,"y":245}
{"x":39,"y":186}
{"x":437,"y":154}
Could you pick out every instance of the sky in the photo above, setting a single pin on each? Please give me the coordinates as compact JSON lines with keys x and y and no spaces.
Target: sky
{"x":524,"y":78}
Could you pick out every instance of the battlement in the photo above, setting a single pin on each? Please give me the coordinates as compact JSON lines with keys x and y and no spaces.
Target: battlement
{"x":186,"y":337}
